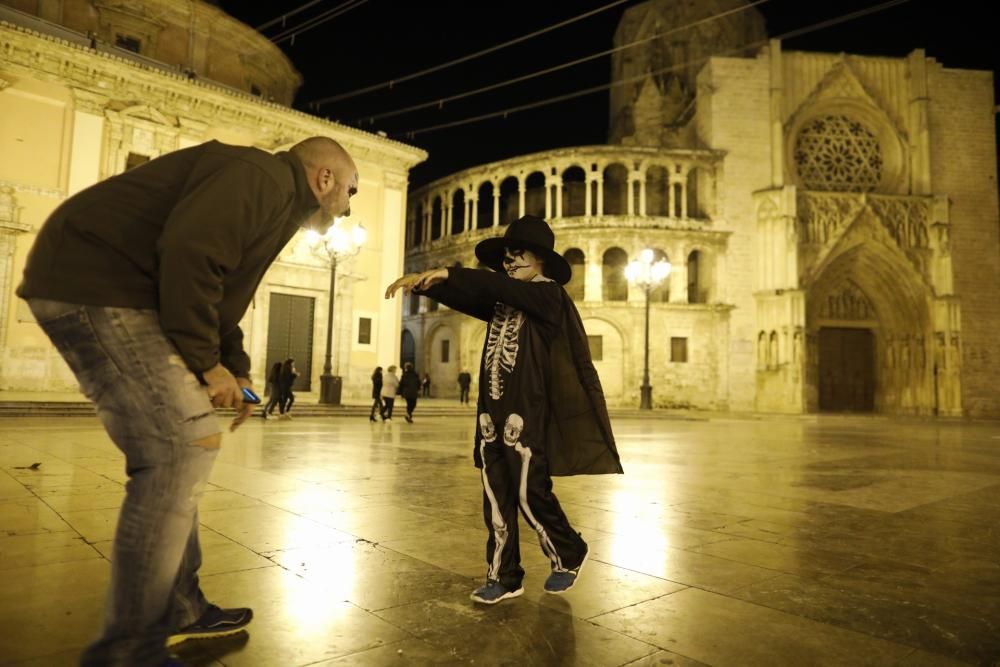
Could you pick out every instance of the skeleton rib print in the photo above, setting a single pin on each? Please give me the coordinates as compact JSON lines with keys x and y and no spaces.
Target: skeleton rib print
{"x":501,"y":346}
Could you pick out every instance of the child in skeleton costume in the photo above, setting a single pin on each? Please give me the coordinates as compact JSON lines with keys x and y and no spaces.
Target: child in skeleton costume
{"x":541,"y":410}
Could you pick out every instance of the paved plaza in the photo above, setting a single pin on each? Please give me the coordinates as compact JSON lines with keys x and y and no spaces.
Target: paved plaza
{"x":728,"y":542}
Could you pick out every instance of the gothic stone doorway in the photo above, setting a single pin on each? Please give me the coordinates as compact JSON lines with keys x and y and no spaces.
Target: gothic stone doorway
{"x":846,"y":370}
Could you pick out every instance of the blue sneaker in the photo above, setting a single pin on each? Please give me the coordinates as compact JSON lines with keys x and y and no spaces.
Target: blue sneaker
{"x":561,"y":581}
{"x":493,"y":591}
{"x":215,"y":622}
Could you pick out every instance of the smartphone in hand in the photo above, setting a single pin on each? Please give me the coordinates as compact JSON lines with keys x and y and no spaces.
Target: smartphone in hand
{"x":249,"y":396}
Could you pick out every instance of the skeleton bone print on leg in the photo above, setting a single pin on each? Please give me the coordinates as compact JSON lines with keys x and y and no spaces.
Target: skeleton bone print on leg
{"x":500,"y":530}
{"x":512,"y":430}
{"x":501,"y":346}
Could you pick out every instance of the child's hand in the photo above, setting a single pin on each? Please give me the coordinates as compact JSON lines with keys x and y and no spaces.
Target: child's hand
{"x":416,"y":281}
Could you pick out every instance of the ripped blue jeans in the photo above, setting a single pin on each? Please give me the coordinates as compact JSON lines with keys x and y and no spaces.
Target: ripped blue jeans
{"x":154,"y":408}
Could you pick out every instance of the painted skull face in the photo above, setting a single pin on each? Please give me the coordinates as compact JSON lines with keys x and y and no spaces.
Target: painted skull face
{"x":512,"y":430}
{"x":486,"y":428}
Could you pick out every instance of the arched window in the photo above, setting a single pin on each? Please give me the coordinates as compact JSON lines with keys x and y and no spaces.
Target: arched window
{"x":693,"y":205}
{"x":534,"y":194}
{"x":418,"y":225}
{"x":615,"y":190}
{"x":657,"y":191}
{"x":838,"y":153}
{"x":614,"y":283}
{"x":436,"y":214}
{"x":574,"y":192}
{"x":577,"y":283}
{"x":458,"y":211}
{"x":661,"y":293}
{"x":509,"y":200}
{"x":696,"y":289}
{"x":484,"y":218}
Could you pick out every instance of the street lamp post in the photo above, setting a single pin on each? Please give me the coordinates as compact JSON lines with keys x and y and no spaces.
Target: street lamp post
{"x":338,"y":243}
{"x":647,"y":275}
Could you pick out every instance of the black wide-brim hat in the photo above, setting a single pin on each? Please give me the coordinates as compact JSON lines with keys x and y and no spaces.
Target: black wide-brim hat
{"x":531,"y":233}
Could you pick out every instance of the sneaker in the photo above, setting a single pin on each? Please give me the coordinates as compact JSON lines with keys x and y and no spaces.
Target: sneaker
{"x":215,"y":622}
{"x":493,"y":591}
{"x":561,"y":581}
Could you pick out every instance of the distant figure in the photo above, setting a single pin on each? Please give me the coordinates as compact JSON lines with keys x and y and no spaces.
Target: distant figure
{"x":464,"y":382}
{"x":376,"y":393}
{"x":274,"y":385}
{"x":390,"y":386}
{"x":288,"y":375}
{"x":409,"y":388}
{"x":425,"y":385}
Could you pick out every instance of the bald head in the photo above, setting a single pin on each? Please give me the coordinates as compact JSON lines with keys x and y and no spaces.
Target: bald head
{"x":332,"y":176}
{"x":319,"y":151}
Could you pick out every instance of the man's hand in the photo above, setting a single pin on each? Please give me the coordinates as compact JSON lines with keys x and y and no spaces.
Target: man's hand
{"x":223,"y":390}
{"x":245,"y":409}
{"x":417,"y":282}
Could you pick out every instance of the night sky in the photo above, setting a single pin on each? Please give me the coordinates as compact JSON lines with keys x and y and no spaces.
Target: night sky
{"x":383,"y":39}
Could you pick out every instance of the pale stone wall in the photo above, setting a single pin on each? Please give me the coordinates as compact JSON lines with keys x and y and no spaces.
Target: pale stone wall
{"x":72,"y":116}
{"x":733,"y":116}
{"x":964,"y":167}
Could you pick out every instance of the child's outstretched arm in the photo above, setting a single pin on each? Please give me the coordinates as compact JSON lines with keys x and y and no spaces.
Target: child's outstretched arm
{"x":433,"y":284}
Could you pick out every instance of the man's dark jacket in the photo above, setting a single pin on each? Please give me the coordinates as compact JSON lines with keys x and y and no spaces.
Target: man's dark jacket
{"x":189,"y":234}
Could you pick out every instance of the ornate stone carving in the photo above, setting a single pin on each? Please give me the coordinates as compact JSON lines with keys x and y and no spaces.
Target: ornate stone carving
{"x":823,"y":217}
{"x":850,"y":303}
{"x":838,"y":153}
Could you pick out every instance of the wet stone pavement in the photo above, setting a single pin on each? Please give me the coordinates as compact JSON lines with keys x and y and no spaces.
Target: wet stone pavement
{"x":785,"y":541}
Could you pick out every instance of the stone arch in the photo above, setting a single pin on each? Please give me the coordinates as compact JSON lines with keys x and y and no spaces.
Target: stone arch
{"x":510,"y":208}
{"x":574,"y":192}
{"x":576,"y":287}
{"x":661,"y":293}
{"x":614,"y":284}
{"x":658,"y":191}
{"x":407,"y":347}
{"x":418,"y":224}
{"x":534,"y":194}
{"x":437,"y":217}
{"x":899,"y":301}
{"x":458,"y":211}
{"x":484,"y":216}
{"x":615,"y":189}
{"x":700,"y":276}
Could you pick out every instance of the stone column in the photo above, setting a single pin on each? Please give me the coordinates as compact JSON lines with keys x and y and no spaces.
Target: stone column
{"x":472,"y":218}
{"x":642,"y":194}
{"x":520,"y":196}
{"x":449,"y":203}
{"x":599,"y":179}
{"x":10,"y":228}
{"x":559,"y":196}
{"x":588,"y":197}
{"x":496,"y":203}
{"x":593,"y":284}
{"x":88,"y":140}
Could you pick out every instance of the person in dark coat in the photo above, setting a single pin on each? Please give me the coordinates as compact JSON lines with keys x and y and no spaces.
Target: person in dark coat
{"x":425,"y":385}
{"x":541,"y":407}
{"x":409,"y":389}
{"x":288,"y":376}
{"x":157,"y":266}
{"x":274,"y":386}
{"x":376,"y":394}
{"x":464,"y":382}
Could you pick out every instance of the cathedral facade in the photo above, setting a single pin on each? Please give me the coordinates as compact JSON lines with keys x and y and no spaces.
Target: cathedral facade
{"x":90,"y":88}
{"x":831,"y":220}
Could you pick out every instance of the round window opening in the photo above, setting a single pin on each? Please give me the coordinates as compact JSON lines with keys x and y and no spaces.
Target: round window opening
{"x":837,"y":153}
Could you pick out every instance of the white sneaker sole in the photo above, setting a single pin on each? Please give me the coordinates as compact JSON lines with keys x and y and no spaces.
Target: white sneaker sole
{"x":508,"y":594}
